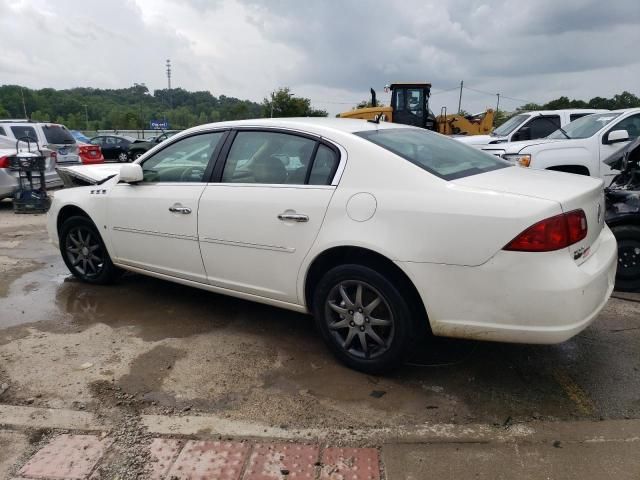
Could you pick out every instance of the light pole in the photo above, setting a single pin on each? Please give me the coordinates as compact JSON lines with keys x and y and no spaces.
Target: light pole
{"x":86,"y":115}
{"x":140,"y":100}
{"x":271,"y":104}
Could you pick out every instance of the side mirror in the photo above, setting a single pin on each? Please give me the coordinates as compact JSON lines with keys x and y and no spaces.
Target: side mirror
{"x":616,"y":136}
{"x":131,"y":173}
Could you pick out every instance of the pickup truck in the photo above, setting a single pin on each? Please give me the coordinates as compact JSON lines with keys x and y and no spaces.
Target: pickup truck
{"x":528,"y":126}
{"x":580,"y":147}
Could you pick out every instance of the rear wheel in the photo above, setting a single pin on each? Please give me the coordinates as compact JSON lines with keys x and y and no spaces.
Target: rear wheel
{"x":363,"y":318}
{"x":628,"y":274}
{"x":136,"y":155}
{"x":123,"y":157}
{"x":84,"y":252}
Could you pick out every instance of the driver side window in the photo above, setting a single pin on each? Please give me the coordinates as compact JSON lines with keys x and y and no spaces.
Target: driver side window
{"x":183,"y":161}
{"x":631,"y":124}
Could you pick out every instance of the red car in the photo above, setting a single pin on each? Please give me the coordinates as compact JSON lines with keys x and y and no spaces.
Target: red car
{"x":90,"y":154}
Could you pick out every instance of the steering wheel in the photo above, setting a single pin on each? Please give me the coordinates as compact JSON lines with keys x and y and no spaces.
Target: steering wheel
{"x":187,"y":174}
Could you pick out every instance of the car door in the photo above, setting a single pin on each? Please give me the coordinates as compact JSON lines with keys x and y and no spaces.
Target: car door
{"x":109,"y":147}
{"x":257,"y":223}
{"x":539,"y":126}
{"x":153,"y":223}
{"x":632,"y":125}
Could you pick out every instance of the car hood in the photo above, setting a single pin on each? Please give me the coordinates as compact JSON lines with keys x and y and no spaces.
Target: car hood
{"x":88,"y":174}
{"x":476,"y":139}
{"x":516,"y":147}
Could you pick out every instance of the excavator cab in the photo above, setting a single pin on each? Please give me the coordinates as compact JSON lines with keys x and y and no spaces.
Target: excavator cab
{"x":410,"y":104}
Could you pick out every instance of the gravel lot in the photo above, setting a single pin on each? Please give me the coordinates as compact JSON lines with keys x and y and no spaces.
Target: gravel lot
{"x":148,"y":346}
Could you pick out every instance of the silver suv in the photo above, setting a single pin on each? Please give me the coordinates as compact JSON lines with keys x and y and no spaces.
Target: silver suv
{"x":52,"y":136}
{"x":8,"y":176}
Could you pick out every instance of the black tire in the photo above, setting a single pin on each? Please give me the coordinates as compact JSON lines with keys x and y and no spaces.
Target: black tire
{"x":84,"y":252}
{"x":628,"y":274}
{"x":397,"y":336}
{"x":135,"y":155}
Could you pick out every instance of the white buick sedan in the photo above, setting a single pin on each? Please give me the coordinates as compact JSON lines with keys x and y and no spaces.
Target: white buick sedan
{"x":381,"y":231}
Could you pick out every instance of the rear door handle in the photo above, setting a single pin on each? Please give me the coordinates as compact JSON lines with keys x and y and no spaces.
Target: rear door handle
{"x":177,"y":208}
{"x":295,"y":217}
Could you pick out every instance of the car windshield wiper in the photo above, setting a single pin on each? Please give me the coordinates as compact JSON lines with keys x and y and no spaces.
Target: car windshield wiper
{"x":557,"y":126}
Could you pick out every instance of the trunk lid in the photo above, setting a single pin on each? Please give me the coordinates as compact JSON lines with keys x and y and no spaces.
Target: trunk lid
{"x":571,"y":191}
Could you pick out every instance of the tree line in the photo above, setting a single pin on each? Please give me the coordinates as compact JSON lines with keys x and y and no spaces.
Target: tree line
{"x":134,"y":107}
{"x":621,"y":100}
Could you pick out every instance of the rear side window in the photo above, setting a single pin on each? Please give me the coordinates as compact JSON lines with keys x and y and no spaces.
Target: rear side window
{"x":20,"y":131}
{"x":437,"y":154}
{"x":2,"y":131}
{"x":575,"y":116}
{"x":268,"y":158}
{"x":58,"y":135}
{"x":324,"y":166}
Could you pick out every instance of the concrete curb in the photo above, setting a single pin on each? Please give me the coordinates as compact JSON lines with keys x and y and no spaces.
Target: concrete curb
{"x":535,"y":432}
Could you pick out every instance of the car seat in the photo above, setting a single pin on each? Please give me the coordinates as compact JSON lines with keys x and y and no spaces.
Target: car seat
{"x":269,"y":170}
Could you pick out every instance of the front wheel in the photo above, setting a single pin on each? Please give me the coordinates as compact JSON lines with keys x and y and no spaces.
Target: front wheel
{"x":84,"y":252}
{"x":123,"y":157}
{"x":628,"y":273}
{"x":363,"y":318}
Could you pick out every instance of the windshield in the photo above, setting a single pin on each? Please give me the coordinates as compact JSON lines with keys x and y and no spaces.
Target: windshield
{"x":437,"y":154}
{"x":58,"y":135}
{"x":509,"y":126}
{"x":586,"y":126}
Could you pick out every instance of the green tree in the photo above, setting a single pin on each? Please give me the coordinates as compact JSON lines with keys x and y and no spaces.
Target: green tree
{"x":283,"y":103}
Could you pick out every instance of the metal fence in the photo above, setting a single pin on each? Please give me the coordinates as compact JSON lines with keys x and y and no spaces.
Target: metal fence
{"x":140,"y":134}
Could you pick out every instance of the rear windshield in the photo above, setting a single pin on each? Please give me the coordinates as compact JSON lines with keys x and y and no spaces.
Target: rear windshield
{"x":437,"y":154}
{"x":57,"y":134}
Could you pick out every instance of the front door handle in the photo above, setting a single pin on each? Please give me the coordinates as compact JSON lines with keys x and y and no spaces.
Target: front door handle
{"x":295,"y":217}
{"x":177,"y":208}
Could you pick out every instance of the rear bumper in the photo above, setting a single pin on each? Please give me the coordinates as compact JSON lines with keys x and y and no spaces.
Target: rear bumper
{"x":89,"y":160}
{"x":518,"y":297}
{"x":8,"y":183}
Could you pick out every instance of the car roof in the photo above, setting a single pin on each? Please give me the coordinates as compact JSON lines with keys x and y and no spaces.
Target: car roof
{"x":113,"y":135}
{"x":318,"y":125}
{"x":566,"y":110}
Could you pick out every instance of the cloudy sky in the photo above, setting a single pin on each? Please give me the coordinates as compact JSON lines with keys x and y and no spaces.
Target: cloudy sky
{"x":331,"y":51}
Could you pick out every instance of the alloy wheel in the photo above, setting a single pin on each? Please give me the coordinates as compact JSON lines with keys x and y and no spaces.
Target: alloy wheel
{"x":359,"y":319}
{"x":84,"y":251}
{"x":629,"y":258}
{"x":123,"y":157}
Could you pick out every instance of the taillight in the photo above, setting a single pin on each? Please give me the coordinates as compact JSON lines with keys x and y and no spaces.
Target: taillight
{"x":4,"y":162}
{"x":551,"y":234}
{"x":54,"y":157}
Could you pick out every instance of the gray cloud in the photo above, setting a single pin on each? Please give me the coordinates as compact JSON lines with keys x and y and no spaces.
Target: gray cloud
{"x":331,"y":51}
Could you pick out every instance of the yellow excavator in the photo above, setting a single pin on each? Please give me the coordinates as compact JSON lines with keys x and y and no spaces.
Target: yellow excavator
{"x":410,"y":106}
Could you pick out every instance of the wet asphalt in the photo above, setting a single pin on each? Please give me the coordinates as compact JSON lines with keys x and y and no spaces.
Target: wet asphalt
{"x":175,"y":348}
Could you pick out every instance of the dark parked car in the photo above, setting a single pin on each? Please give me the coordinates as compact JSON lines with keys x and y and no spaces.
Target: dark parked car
{"x":139,"y":148}
{"x":623,"y":214}
{"x":114,"y":147}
